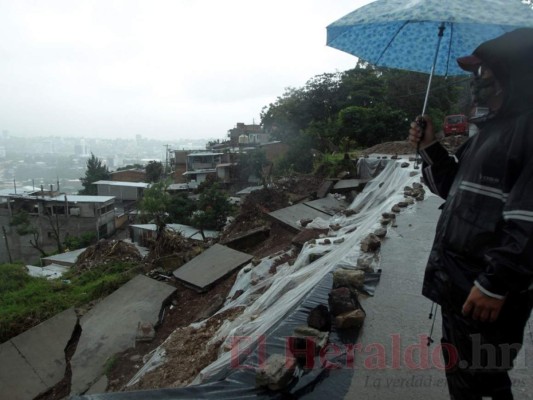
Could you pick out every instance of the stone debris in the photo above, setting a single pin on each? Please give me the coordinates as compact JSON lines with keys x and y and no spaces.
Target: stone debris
{"x":380,"y":232}
{"x":306,"y":235}
{"x":404,"y":165}
{"x":319,"y":318}
{"x":395,"y":208}
{"x":351,"y":319}
{"x":366,"y":264}
{"x":349,"y":212}
{"x":306,"y":338}
{"x":145,"y":332}
{"x":350,"y":278}
{"x":342,"y":300}
{"x":106,"y":252}
{"x":277,"y":372}
{"x":370,"y":244}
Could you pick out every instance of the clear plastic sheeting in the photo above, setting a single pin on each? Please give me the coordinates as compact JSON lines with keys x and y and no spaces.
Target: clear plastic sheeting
{"x":276,"y":304}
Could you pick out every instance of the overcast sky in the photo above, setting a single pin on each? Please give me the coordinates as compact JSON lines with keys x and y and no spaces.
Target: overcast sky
{"x":165,"y":69}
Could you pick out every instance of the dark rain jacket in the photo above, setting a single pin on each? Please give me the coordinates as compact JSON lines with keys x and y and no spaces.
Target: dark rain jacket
{"x":485,"y":233}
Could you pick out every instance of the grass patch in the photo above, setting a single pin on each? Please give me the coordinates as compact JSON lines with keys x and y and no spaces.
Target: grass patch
{"x":26,"y":301}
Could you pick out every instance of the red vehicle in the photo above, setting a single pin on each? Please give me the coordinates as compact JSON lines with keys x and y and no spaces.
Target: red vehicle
{"x":455,"y":125}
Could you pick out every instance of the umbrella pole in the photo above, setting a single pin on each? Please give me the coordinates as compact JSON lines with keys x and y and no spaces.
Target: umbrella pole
{"x":440,"y":34}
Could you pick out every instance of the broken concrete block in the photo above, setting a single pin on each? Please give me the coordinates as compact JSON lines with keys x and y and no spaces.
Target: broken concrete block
{"x":413,"y":173}
{"x":307,"y":338}
{"x":380,"y":233}
{"x":338,"y":241}
{"x":388,"y":215}
{"x":402,"y":204}
{"x":349,"y":212}
{"x":395,"y":208}
{"x":404,"y":164}
{"x":371,"y":243}
{"x":326,"y":241}
{"x":342,"y":300}
{"x":319,"y":318}
{"x":365,"y":264}
{"x":410,"y":201}
{"x":351,"y":278}
{"x":305,"y":221}
{"x":352,"y":319}
{"x":385,"y":221}
{"x":417,"y":185}
{"x":145,"y":332}
{"x":277,"y":372}
{"x":335,"y":227}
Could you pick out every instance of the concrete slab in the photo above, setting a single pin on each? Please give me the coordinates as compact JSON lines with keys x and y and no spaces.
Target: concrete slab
{"x":51,"y":271}
{"x":18,"y":380}
{"x":350,"y":184}
{"x":210,"y":266}
{"x":329,"y":204}
{"x":324,"y":188}
{"x":67,"y":259}
{"x":34,"y":361}
{"x":110,"y":327}
{"x":290,"y":216}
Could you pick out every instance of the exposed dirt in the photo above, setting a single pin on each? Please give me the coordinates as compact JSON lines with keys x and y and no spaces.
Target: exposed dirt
{"x":186,"y":307}
{"x":451,"y":143}
{"x":188,"y":352}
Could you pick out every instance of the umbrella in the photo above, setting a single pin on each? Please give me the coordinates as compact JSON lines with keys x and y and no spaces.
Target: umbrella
{"x":425,"y":35}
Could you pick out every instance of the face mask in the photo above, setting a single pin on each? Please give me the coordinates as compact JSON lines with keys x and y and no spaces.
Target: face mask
{"x":483,"y":88}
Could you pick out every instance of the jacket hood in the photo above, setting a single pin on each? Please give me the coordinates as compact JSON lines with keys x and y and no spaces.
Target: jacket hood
{"x":510,"y":57}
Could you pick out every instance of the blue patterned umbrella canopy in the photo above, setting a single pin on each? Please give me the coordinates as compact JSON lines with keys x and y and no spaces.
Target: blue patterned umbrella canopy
{"x":403,"y":34}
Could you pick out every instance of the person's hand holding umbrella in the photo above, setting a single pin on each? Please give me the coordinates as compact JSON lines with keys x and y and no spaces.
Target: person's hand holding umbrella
{"x":422,"y":136}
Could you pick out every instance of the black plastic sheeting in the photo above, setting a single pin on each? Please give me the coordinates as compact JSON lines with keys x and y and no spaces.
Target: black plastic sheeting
{"x":317,"y":377}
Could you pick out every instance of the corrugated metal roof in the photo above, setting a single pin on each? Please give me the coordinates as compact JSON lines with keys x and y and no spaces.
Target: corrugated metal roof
{"x":74,"y":198}
{"x":125,"y":184}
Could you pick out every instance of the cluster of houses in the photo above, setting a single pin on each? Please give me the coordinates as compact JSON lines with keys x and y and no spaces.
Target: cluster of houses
{"x":112,"y":208}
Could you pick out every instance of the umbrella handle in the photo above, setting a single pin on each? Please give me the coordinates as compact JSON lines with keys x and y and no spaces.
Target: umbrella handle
{"x":422,"y":124}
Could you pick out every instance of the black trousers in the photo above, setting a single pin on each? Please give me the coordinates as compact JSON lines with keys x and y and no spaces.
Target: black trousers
{"x":478,"y":355}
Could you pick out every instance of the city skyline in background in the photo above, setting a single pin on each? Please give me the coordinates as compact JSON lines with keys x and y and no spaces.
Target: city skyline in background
{"x":163,"y":69}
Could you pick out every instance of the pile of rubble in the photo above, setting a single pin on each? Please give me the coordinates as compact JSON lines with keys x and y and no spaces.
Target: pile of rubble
{"x":106,"y":252}
{"x":188,"y":350}
{"x":173,"y":245}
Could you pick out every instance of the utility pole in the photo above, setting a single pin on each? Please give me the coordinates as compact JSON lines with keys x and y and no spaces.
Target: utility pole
{"x":167,"y":149}
{"x":7,"y":245}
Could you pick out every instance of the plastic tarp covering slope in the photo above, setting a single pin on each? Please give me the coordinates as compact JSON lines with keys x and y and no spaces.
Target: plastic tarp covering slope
{"x":281,"y":302}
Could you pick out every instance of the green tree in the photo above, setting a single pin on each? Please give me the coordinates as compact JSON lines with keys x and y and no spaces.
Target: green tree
{"x":213,"y":208}
{"x":154,"y":171}
{"x":131,"y":166}
{"x":180,"y":209}
{"x":154,"y":206}
{"x":94,"y":172}
{"x":373,"y":125}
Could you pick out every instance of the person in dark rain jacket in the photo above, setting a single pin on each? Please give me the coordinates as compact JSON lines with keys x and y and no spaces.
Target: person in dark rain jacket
{"x":480,"y":268}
